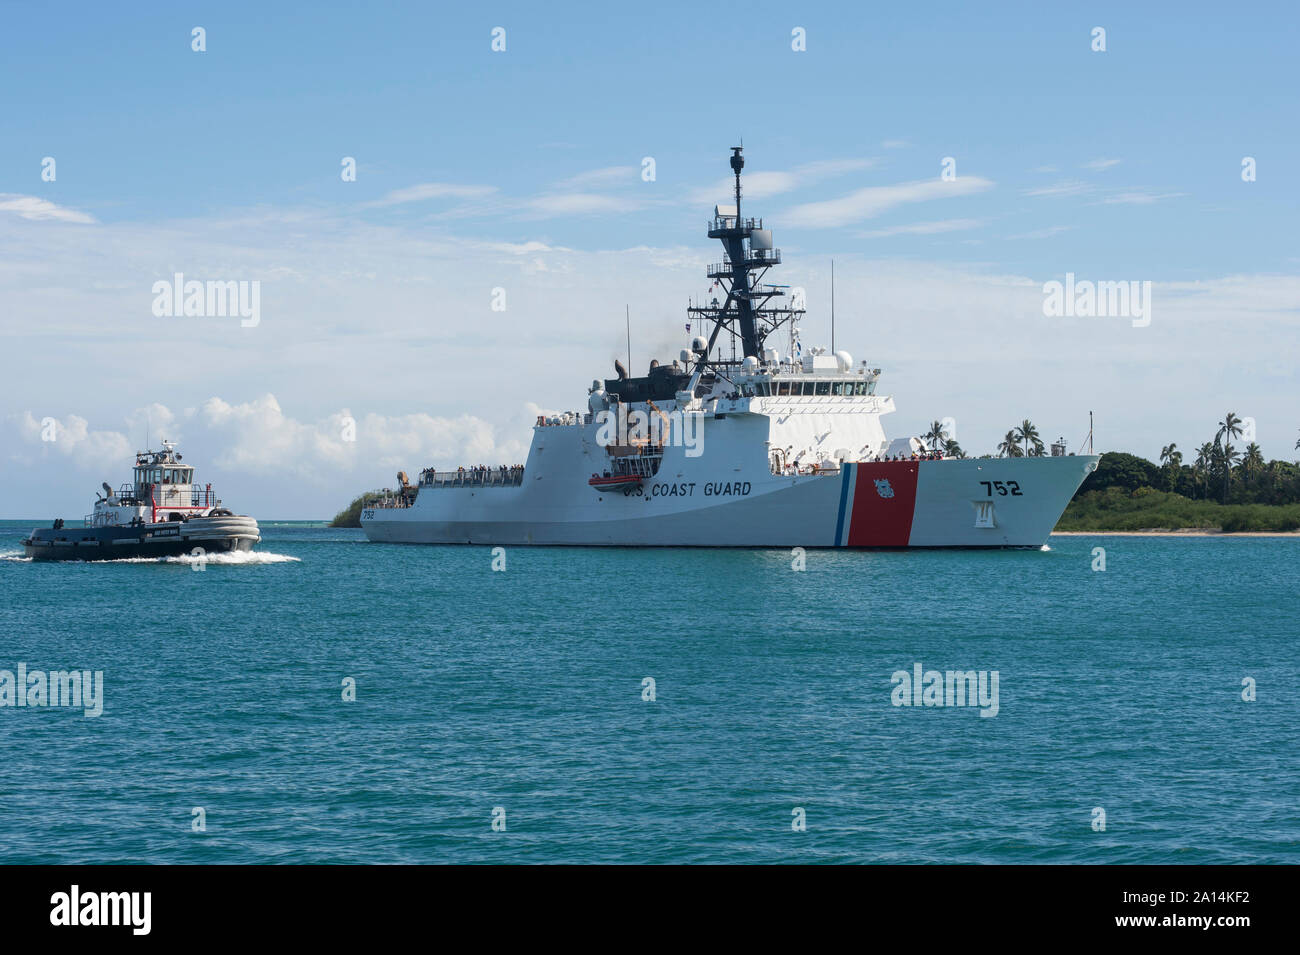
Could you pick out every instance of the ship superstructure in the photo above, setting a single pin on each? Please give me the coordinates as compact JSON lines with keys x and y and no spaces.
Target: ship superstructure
{"x":736,"y":443}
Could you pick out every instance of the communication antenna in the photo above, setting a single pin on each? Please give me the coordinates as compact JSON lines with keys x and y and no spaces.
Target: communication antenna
{"x":832,"y":306}
{"x":627,"y":314}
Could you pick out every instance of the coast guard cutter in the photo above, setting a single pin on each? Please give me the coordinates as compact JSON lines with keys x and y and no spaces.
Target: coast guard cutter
{"x":759,"y":448}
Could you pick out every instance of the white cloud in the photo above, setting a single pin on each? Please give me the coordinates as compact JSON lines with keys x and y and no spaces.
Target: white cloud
{"x":73,"y":440}
{"x":1070,"y":187}
{"x":33,"y":207}
{"x":1101,"y":164}
{"x":433,"y":190}
{"x":152,"y":423}
{"x":1045,"y":233}
{"x":922,"y":228}
{"x":763,"y":184}
{"x":255,"y":440}
{"x":521,"y":248}
{"x":873,"y":200}
{"x":258,"y":438}
{"x":579,"y":204}
{"x":601,"y":178}
{"x":395,"y":322}
{"x":1140,"y":198}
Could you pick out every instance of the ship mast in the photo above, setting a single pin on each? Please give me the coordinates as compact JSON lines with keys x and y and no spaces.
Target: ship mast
{"x":746,"y":313}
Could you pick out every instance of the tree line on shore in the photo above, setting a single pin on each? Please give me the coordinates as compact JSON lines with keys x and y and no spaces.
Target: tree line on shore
{"x":1218,"y":471}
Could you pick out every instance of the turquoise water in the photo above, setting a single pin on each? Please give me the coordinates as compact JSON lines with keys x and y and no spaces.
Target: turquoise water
{"x":522,"y":689}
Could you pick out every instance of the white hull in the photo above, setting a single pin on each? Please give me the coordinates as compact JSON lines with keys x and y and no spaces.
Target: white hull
{"x":716,"y":501}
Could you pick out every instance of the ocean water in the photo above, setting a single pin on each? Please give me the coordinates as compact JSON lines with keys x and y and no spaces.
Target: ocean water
{"x":523,"y":690}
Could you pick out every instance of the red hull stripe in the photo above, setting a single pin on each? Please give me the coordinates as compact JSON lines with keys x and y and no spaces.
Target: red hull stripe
{"x":884,"y":500}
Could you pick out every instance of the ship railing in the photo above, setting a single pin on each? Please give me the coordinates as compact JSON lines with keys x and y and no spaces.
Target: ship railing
{"x":391,"y":500}
{"x":567,"y":419}
{"x":195,"y":495}
{"x":727,"y":223}
{"x":754,"y":255}
{"x":474,"y":477}
{"x":101,"y":520}
{"x":640,"y":466}
{"x":783,"y":468}
{"x":757,"y":258}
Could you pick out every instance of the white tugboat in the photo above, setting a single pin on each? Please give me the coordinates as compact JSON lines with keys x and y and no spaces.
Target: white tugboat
{"x":161,"y":513}
{"x":759,"y":449}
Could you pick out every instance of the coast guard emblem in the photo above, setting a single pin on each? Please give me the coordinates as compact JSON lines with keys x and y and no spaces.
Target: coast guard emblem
{"x":883,"y":488}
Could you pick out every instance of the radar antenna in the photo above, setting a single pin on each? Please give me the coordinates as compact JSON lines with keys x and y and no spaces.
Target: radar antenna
{"x":748,"y":312}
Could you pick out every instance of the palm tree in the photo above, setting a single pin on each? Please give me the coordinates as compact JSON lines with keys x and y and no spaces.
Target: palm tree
{"x":1204,"y":457}
{"x":1225,"y":457}
{"x":1252,"y":461}
{"x":1027,"y":435}
{"x":951,"y":449}
{"x":1229,"y":428}
{"x":1171,"y":458}
{"x":1276,"y":471}
{"x":936,"y":435}
{"x":1008,"y":448}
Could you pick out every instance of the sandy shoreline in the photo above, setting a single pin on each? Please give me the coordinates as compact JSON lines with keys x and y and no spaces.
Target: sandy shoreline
{"x":1185,"y":532}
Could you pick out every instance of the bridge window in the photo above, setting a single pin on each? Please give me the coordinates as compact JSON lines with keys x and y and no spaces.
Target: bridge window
{"x":823,"y":387}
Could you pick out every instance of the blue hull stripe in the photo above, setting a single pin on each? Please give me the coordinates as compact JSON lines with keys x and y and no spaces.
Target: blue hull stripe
{"x":844,"y":500}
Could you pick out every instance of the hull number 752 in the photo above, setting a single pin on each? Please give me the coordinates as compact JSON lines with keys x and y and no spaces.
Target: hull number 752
{"x":1002,"y":487}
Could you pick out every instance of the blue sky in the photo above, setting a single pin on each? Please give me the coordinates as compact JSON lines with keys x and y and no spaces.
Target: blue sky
{"x":521,"y":169}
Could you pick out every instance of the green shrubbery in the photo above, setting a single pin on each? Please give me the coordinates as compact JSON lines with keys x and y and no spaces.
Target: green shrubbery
{"x":1117,"y":509}
{"x":1130,"y":493}
{"x":351,"y":515}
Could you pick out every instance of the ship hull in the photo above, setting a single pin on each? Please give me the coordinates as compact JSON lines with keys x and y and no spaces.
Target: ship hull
{"x":195,"y":537}
{"x":980,"y":503}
